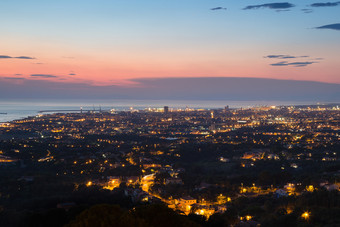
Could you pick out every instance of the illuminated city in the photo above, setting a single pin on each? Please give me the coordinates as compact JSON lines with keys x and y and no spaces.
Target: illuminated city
{"x":194,"y":161}
{"x":169,"y":113}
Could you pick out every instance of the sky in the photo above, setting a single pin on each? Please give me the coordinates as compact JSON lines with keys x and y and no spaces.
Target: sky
{"x":120,"y":43}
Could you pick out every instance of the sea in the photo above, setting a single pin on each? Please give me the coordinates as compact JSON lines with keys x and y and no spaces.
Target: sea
{"x":18,"y":109}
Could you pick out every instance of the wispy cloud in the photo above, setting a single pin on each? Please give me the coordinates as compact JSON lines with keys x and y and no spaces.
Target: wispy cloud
{"x":296,"y":64}
{"x":307,"y":10}
{"x":24,"y":57}
{"x":282,"y":56}
{"x":43,"y":75}
{"x":330,"y":26}
{"x":325,"y":4}
{"x":282,"y":10}
{"x":219,"y":8}
{"x":277,"y":6}
{"x":19,"y":57}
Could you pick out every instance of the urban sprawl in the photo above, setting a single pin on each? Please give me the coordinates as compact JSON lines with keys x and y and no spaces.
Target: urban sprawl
{"x":239,"y":167}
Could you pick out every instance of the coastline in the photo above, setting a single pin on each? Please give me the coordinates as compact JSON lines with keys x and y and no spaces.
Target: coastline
{"x":19,"y":109}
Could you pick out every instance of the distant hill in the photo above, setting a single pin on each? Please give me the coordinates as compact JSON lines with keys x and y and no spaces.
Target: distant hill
{"x":215,"y":88}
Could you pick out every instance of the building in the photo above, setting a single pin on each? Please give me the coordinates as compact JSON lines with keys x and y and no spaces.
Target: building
{"x":185,"y":204}
{"x":166,"y":109}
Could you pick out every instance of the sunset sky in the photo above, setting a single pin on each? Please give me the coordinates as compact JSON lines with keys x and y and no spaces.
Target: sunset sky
{"x":117,"y":42}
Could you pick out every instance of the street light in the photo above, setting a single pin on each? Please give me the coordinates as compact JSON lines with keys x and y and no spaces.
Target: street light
{"x":305,"y":215}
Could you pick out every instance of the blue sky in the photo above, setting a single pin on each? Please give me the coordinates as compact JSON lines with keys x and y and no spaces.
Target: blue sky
{"x":115,"y":42}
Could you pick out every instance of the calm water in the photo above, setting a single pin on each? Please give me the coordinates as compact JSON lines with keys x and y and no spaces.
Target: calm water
{"x":18,"y":109}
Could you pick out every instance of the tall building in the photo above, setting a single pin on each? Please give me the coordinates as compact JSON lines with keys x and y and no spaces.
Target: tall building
{"x":166,"y":109}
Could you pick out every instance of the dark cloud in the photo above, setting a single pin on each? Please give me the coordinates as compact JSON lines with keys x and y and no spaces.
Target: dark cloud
{"x":325,"y":4}
{"x":281,"y":56}
{"x":20,"y":57}
{"x":44,"y":75}
{"x":278,"y":6}
{"x":296,"y":64}
{"x":24,"y":57}
{"x":307,"y":10}
{"x":5,"y":56}
{"x":72,"y":74}
{"x":330,"y":26}
{"x":218,"y":8}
